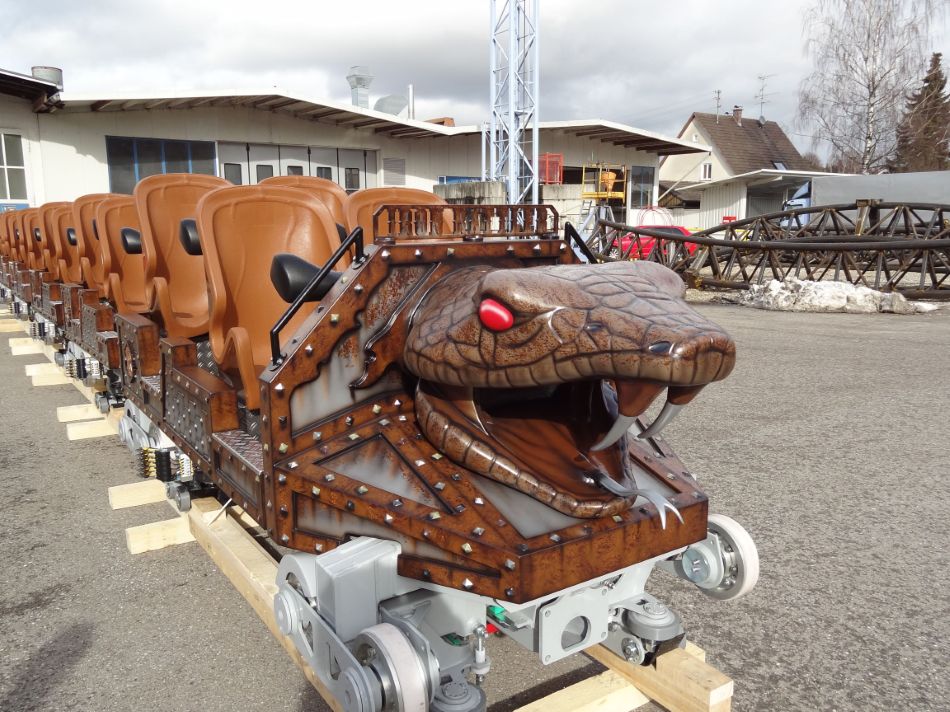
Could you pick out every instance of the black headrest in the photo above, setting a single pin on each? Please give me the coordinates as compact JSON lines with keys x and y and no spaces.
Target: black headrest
{"x":71,"y":236}
{"x":37,"y":235}
{"x":131,"y":240}
{"x":341,"y":231}
{"x":188,"y":234}
{"x":290,"y":275}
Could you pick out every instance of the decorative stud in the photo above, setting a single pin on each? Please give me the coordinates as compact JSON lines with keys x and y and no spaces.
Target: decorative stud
{"x":561,"y":247}
{"x":293,"y":465}
{"x":308,"y":349}
{"x":358,"y":288}
{"x":420,"y":463}
{"x":437,"y":456}
{"x":329,"y":477}
{"x":510,"y":565}
{"x":354,"y":436}
{"x":362,"y":489}
{"x":377,"y":409}
{"x":617,"y":518}
{"x":556,"y":538}
{"x":536,"y":249}
{"x":266,"y":447}
{"x":479,"y":501}
{"x":318,"y":547}
{"x":425,"y":533}
{"x":284,"y":538}
{"x":466,"y":548}
{"x":478,"y":531}
{"x":459,"y":508}
{"x":439,"y":486}
{"x":349,"y":420}
{"x":388,"y":518}
{"x":315,"y":491}
{"x":510,"y":250}
{"x":344,"y":279}
{"x":279,"y":388}
{"x":397,"y":503}
{"x":402,"y":419}
{"x":349,"y":505}
{"x":397,"y":402}
{"x":467,"y":585}
{"x":426,"y":573}
{"x":269,"y":505}
{"x":282,"y":419}
{"x":456,"y":476}
{"x":434,"y":515}
{"x":281,"y":479}
{"x":283,"y":511}
{"x":417,"y":254}
{"x":510,"y":592}
{"x":317,"y":435}
{"x":450,"y":252}
{"x":283,"y":448}
{"x":385,"y":255}
{"x":334,"y":318}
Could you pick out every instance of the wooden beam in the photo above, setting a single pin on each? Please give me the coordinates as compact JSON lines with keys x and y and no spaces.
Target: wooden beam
{"x":319,"y":113}
{"x":100,"y":105}
{"x":102,"y":428}
{"x":158,"y":535}
{"x":9,"y":326}
{"x":607,"y":692}
{"x":677,"y":680}
{"x":50,"y":379}
{"x":35,"y":369}
{"x":73,"y":413}
{"x":148,"y":491}
{"x":593,"y":132}
{"x":369,"y":122}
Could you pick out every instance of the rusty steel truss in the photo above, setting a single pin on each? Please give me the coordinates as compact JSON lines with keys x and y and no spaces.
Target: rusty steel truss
{"x":886,"y":246}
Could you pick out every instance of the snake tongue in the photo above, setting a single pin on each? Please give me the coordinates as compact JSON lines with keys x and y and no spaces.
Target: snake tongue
{"x":633,"y":398}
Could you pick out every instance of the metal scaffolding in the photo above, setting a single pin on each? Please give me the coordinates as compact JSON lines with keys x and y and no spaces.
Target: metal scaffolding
{"x":514,"y":92}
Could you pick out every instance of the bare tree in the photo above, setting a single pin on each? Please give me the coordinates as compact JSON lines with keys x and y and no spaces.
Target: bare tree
{"x":867,"y":55}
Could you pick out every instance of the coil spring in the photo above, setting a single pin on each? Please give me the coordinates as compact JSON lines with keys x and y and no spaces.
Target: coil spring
{"x":81,"y":369}
{"x":147,"y":462}
{"x":34,"y":330}
{"x":69,"y":366}
{"x":186,"y":469}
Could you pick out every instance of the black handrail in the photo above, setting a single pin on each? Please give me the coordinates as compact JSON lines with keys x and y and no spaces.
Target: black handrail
{"x":571,"y":234}
{"x":354,"y":237}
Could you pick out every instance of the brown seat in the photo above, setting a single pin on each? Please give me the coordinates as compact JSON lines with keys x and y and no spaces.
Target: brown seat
{"x":49,"y":236}
{"x":7,"y":221}
{"x":28,"y":225}
{"x":124,"y":273}
{"x":332,"y":195}
{"x":360,"y":206}
{"x":175,"y":281}
{"x":67,"y":245}
{"x":90,"y":252}
{"x":241,"y":229}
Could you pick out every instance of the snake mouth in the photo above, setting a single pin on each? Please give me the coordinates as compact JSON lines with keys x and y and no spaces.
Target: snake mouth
{"x":558,"y":443}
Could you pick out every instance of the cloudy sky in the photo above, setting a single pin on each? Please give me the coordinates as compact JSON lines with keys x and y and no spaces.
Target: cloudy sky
{"x":648,"y":64}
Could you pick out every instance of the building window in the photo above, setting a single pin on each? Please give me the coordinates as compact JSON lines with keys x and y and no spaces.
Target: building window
{"x":264,"y":171}
{"x":707,"y":171}
{"x":232,"y":173}
{"x":780,"y":165}
{"x":351,"y":177}
{"x":12,"y":168}
{"x":394,"y":171}
{"x":324,"y":172}
{"x":695,"y":138}
{"x":132,"y":159}
{"x":295,"y":170}
{"x":641,"y":186}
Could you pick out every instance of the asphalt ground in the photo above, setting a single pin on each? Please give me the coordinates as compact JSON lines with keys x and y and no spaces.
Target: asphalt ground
{"x":829,"y":443}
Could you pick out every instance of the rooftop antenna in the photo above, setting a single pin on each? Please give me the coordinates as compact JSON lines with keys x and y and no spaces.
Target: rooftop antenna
{"x":761,"y":95}
{"x":718,"y":94}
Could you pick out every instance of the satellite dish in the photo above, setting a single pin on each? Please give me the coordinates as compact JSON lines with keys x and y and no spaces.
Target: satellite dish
{"x":392,"y":104}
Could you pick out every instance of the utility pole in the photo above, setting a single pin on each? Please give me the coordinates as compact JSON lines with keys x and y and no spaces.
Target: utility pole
{"x":718,"y":94}
{"x":514,"y":86}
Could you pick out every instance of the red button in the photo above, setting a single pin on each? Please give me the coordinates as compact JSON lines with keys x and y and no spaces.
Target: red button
{"x":495,"y":316}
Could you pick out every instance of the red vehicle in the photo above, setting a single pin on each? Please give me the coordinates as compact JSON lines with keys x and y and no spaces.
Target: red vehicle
{"x":643,"y":248}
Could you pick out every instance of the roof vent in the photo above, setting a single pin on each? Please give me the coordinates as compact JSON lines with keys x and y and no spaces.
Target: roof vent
{"x":360,"y":79}
{"x":761,"y":121}
{"x":737,"y":114}
{"x":50,"y":75}
{"x":392,"y":104}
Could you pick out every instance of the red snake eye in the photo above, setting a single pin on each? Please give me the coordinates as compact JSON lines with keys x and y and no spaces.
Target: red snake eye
{"x":495,"y":316}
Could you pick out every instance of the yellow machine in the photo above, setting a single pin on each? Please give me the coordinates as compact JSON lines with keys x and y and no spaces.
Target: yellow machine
{"x":604,"y":181}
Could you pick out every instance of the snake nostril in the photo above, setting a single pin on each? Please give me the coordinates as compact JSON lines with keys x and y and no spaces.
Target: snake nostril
{"x":660,"y":348}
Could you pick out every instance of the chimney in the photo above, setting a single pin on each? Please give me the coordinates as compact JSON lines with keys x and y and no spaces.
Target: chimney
{"x":360,"y":79}
{"x":737,"y":114}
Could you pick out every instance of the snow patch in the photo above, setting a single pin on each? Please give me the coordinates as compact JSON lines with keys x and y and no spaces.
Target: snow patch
{"x":807,"y":296}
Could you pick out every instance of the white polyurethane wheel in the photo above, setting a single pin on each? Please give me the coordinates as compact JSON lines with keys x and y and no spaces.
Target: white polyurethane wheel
{"x":405,"y":665}
{"x":737,"y":538}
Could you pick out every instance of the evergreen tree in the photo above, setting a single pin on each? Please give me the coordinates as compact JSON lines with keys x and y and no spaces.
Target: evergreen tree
{"x":923,"y":136}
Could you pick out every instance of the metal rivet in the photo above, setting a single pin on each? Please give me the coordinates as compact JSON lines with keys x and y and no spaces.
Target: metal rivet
{"x":397,"y":402}
{"x":283,"y":510}
{"x":349,"y":505}
{"x":349,"y":420}
{"x":279,"y":387}
{"x":434,"y":515}
{"x":456,"y":476}
{"x":329,"y":477}
{"x":385,"y":254}
{"x":426,"y":573}
{"x":362,"y":489}
{"x":358,"y":288}
{"x":318,"y":547}
{"x":283,"y":447}
{"x":562,"y":247}
{"x":285,"y":538}
{"x":439,"y":486}
{"x":334,"y":318}
{"x":510,"y":592}
{"x":420,"y":463}
{"x":536,"y":249}
{"x":425,"y":533}
{"x":417,"y":254}
{"x":282,"y":419}
{"x":266,"y":447}
{"x":384,"y":422}
{"x":308,"y":349}
{"x":510,"y":250}
{"x":317,"y":435}
{"x":478,"y":531}
{"x":467,"y":585}
{"x":522,"y":548}
{"x":397,"y":502}
{"x":450,"y":252}
{"x":315,"y":491}
{"x":402,"y":419}
{"x":269,"y":504}
{"x":344,"y":279}
{"x":459,"y":508}
{"x":556,"y":538}
{"x":510,"y":565}
{"x":281,"y":478}
{"x":479,"y":501}
{"x":354,"y":436}
{"x":388,"y":519}
{"x":377,"y":409}
{"x":467,"y":548}
{"x":437,"y":456}
{"x":293,"y":465}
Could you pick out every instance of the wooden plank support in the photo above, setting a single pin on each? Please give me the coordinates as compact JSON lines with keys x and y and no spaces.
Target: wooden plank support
{"x":50,"y":379}
{"x":158,"y":535}
{"x":251,"y":570}
{"x":35,"y":369}
{"x":25,"y":346}
{"x":9,"y":326}
{"x":81,"y":411}
{"x":608,"y":692}
{"x":679,"y":680}
{"x":135,"y":494}
{"x":101,"y":428}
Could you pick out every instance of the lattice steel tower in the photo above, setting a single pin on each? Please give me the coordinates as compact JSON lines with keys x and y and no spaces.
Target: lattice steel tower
{"x":514,"y":87}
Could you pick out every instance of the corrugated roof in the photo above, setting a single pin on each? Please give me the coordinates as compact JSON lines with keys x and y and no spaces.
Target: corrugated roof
{"x":26,"y":87}
{"x":751,"y":146}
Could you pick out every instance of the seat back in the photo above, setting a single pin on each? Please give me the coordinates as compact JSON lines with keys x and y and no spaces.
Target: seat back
{"x":67,"y":245}
{"x":7,"y":220}
{"x":241,"y":229}
{"x":124,"y":273}
{"x":90,"y":246}
{"x":31,"y":229}
{"x":175,"y":281}
{"x":332,"y":195}
{"x":49,"y":238}
{"x":360,"y":206}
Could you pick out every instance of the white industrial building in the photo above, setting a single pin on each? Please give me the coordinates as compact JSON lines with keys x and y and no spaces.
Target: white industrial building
{"x":62,"y":145}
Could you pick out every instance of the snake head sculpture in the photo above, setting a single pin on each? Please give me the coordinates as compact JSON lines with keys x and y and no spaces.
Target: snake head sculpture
{"x":533,"y":377}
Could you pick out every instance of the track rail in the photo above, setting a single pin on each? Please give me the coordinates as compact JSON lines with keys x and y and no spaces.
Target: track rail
{"x":886,"y":246}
